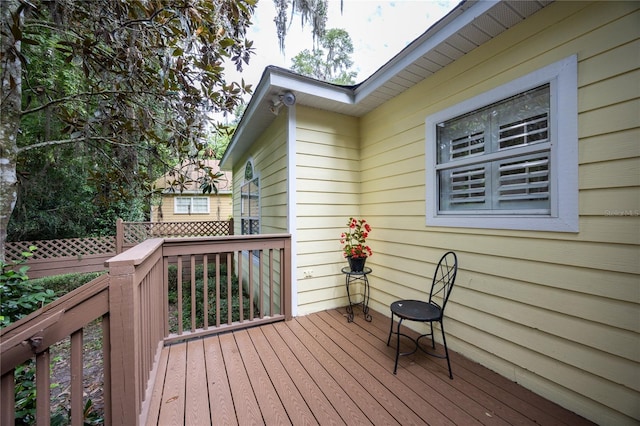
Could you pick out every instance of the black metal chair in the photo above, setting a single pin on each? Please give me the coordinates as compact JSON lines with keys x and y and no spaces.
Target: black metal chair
{"x":429,"y":311}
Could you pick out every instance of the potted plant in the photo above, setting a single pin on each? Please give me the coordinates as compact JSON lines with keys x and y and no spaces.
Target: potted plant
{"x":353,"y":242}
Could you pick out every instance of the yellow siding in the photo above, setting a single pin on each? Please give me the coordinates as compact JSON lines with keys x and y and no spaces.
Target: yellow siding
{"x":328,"y":185}
{"x":220,"y":208}
{"x":559,"y":313}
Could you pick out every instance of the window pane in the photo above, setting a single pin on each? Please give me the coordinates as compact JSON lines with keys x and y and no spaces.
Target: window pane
{"x":253,"y":198}
{"x":250,"y":226}
{"x":464,"y":188}
{"x":200,"y":205}
{"x":183,"y":205}
{"x":523,"y":183}
{"x":462,"y":137}
{"x":524,"y":119}
{"x":244,"y":200}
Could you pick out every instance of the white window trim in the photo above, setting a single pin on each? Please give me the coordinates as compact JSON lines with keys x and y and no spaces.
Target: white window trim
{"x":563,"y":78}
{"x":190,"y":212}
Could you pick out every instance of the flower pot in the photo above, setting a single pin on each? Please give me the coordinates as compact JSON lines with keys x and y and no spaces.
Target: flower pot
{"x":356,"y":263}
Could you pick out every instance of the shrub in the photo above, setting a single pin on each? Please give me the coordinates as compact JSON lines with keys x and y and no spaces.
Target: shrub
{"x":187,"y":304}
{"x":65,"y":283}
{"x":20,"y":296}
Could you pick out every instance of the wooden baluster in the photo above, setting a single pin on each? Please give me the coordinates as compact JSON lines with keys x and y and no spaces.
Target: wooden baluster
{"x":77,"y":406}
{"x":179,"y":294}
{"x":205,"y":290}
{"x":43,"y":388}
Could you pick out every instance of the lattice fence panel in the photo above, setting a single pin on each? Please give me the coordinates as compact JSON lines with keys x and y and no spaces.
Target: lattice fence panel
{"x":137,"y":232}
{"x":70,"y":247}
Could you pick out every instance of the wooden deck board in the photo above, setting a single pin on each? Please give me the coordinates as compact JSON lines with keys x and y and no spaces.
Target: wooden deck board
{"x":337,"y":395}
{"x":158,"y":388}
{"x":196,"y":386}
{"x":294,"y":403}
{"x":319,"y":369}
{"x":220,"y":399}
{"x":244,"y":399}
{"x":316,"y":400}
{"x":172,"y":407}
{"x":273,"y":412}
{"x":363,"y":370}
{"x":430,"y":406}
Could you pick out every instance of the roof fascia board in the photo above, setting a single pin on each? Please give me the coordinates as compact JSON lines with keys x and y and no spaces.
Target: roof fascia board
{"x":275,"y":77}
{"x":433,"y":37}
{"x":296,"y":83}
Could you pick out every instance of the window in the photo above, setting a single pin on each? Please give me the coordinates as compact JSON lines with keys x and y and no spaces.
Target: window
{"x":250,"y":203}
{"x":508,"y":158}
{"x":191,"y":205}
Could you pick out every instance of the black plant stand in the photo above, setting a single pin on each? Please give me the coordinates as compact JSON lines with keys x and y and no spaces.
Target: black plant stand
{"x":351,"y":277}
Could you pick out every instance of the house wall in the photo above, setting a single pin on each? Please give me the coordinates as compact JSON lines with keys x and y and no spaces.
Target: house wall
{"x":555,"y":312}
{"x":328,"y":185}
{"x":220,"y":208}
{"x":269,"y":156}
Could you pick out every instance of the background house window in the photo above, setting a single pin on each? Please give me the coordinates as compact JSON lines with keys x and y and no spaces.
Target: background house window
{"x":508,"y":158}
{"x":191,"y":205}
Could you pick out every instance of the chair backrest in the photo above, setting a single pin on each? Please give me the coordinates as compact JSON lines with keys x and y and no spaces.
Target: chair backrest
{"x":443,"y":279}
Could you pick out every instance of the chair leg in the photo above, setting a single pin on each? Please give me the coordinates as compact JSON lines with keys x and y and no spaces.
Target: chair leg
{"x":446,"y":351}
{"x":433,"y":338}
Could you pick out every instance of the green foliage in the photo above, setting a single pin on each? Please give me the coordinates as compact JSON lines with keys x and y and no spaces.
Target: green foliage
{"x":64,"y":283}
{"x":90,"y":415}
{"x":18,"y":295}
{"x":187,"y":303}
{"x":331,"y":61}
{"x":25,"y":405}
{"x":25,"y":395}
{"x":105,"y":95}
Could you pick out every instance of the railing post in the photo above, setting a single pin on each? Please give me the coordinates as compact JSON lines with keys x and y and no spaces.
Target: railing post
{"x":123,"y":301}
{"x":286,"y":262}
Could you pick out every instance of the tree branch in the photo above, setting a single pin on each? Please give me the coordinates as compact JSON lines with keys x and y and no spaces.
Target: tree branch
{"x":72,"y":140}
{"x":85,"y":94}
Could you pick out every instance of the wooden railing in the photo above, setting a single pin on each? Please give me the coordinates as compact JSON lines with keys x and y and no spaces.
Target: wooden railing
{"x":33,"y":336}
{"x":132,"y":302}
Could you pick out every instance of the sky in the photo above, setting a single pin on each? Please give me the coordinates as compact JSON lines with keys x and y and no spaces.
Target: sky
{"x":379,"y":30}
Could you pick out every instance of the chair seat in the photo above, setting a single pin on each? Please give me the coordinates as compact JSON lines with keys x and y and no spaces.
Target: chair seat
{"x":416,"y":310}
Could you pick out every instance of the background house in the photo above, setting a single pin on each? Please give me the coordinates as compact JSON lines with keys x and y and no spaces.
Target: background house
{"x":191,"y":204}
{"x":548,"y":291}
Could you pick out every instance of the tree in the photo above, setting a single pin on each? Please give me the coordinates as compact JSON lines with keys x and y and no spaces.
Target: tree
{"x":312,"y":12}
{"x":143,"y":78}
{"x":331,"y":61}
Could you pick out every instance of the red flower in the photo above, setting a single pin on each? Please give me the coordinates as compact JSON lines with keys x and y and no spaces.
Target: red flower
{"x":354,"y":240}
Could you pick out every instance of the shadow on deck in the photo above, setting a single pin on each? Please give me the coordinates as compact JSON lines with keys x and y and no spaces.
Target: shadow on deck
{"x":319,"y":369}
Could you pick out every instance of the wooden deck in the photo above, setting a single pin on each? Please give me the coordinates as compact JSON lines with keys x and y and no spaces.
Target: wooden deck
{"x":319,"y":369}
